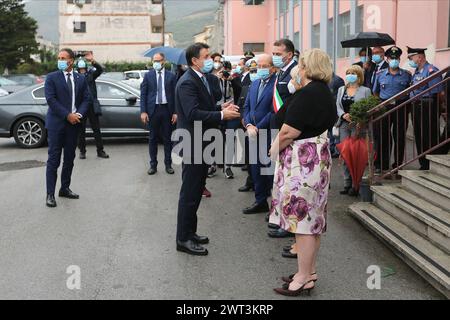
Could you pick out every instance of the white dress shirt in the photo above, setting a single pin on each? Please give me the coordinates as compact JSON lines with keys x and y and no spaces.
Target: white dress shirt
{"x":164,"y":98}
{"x":74,"y":109}
{"x":201,"y":75}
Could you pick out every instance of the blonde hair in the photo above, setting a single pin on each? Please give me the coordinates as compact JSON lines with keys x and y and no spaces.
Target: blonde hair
{"x":358,"y":71}
{"x":317,"y":65}
{"x":294,"y":72}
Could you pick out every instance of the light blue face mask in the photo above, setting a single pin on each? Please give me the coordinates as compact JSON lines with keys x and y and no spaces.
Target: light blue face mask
{"x":263,"y":73}
{"x":363,"y":59}
{"x":394,"y":63}
{"x":238,"y":69}
{"x":253,"y":77}
{"x":208,"y":65}
{"x":376,"y":58}
{"x":351,"y":78}
{"x":157,"y":66}
{"x":412,"y":64}
{"x":278,"y":61}
{"x":62,"y":65}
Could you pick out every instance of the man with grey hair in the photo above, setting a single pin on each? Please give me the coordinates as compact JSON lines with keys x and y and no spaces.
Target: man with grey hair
{"x":258,"y":110}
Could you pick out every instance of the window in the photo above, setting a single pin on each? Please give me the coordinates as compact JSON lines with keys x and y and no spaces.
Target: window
{"x":79,"y":26}
{"x":253,"y":47}
{"x":156,"y":29}
{"x":39,"y":93}
{"x":282,"y":6}
{"x":109,"y":91}
{"x":253,"y":2}
{"x":132,"y":75}
{"x":344,"y":29}
{"x":315,"y":43}
{"x":296,"y":40}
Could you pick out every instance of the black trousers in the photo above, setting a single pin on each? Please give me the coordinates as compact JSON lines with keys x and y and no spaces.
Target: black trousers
{"x":390,"y":132}
{"x":426,"y":120}
{"x":160,"y":123}
{"x":95,"y":125}
{"x":193,"y":183}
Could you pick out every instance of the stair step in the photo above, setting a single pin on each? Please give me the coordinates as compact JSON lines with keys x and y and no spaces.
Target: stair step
{"x":440,"y":164}
{"x":429,"y":261}
{"x":431,"y":186}
{"x":418,"y":214}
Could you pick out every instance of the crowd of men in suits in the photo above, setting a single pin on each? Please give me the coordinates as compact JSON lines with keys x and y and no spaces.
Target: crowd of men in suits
{"x":210,"y":91}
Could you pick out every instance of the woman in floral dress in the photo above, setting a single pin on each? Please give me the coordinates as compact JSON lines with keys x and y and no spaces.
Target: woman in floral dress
{"x":302,"y":173}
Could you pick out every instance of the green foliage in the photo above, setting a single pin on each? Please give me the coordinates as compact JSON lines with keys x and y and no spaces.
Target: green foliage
{"x":17,"y":34}
{"x":359,"y":110}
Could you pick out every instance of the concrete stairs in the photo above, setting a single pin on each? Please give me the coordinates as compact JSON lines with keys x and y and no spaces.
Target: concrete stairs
{"x":413,"y":219}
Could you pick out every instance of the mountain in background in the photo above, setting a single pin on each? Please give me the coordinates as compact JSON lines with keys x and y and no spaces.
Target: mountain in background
{"x":184,"y":18}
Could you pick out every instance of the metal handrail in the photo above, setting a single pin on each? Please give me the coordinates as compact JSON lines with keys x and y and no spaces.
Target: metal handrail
{"x":408,"y":90}
{"x":374,"y":117}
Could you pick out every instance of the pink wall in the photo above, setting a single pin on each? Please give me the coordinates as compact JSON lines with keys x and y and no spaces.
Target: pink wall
{"x":416,"y":23}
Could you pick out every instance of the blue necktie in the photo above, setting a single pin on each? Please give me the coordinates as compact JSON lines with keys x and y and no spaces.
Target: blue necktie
{"x":160,"y":100}
{"x":206,"y":84}
{"x":261,"y":90}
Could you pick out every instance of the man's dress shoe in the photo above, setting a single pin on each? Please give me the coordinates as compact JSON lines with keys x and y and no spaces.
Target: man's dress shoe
{"x":67,"y":193}
{"x":200,"y":239}
{"x":245,"y":188}
{"x":103,"y":155}
{"x":191,"y":247}
{"x":280,"y":233}
{"x":151,"y":171}
{"x":257,"y":208}
{"x":169,"y":170}
{"x":51,"y":202}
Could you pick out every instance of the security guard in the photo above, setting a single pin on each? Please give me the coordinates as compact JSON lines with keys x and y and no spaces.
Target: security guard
{"x":388,"y":83}
{"x":426,"y":113}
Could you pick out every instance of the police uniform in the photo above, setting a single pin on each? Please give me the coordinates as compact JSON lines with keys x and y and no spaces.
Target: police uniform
{"x":387,"y":84}
{"x":426,"y":110}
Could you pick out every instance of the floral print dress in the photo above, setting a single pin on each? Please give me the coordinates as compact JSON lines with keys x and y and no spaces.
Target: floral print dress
{"x":300,"y":189}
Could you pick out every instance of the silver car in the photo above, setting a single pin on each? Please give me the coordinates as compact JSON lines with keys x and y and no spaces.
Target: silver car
{"x":22,"y":114}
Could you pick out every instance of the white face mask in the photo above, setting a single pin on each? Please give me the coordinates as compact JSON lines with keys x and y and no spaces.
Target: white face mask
{"x":291,"y":88}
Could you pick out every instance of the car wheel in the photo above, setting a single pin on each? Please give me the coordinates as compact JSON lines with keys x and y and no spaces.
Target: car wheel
{"x":30,"y":133}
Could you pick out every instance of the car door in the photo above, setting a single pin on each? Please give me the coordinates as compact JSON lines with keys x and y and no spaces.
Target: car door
{"x":118,"y":114}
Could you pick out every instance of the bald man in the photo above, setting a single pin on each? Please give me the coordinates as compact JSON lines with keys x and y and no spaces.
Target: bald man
{"x":258,"y":109}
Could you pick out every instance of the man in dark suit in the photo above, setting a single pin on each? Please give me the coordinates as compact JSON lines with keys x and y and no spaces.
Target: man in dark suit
{"x":258,"y":112}
{"x":195,"y":105}
{"x":378,"y":58}
{"x":283,"y":59}
{"x":94,"y":110}
{"x":158,"y":109}
{"x":67,"y":97}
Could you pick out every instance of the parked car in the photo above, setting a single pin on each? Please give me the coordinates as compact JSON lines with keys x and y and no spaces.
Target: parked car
{"x":118,"y":76}
{"x":135,"y":77}
{"x":22,"y":114}
{"x":25,"y":79}
{"x":10,"y":86}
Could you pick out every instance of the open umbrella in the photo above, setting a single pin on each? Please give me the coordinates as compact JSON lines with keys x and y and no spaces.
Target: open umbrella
{"x":174,"y":55}
{"x":368,"y":39}
{"x":355,"y":154}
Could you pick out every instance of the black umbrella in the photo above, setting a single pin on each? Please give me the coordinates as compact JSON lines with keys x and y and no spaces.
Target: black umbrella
{"x":368,"y":39}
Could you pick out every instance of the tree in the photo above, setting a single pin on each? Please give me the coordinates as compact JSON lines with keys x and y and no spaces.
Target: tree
{"x":17,"y":34}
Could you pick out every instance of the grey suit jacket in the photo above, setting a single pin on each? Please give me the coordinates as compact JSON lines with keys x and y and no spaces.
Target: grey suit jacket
{"x":361,"y":93}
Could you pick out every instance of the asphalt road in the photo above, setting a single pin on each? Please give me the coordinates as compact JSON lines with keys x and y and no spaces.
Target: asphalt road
{"x":121,"y":234}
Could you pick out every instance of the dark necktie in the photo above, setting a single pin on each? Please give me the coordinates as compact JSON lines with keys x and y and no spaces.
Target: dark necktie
{"x":69,"y":84}
{"x":280,"y":74}
{"x":160,"y":100}
{"x":206,"y":84}
{"x":261,"y":89}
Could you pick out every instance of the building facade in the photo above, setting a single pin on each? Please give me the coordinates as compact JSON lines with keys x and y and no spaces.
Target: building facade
{"x":256,"y":24}
{"x":114,"y":30}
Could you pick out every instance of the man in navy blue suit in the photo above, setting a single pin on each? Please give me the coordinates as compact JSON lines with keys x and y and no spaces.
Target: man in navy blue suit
{"x":68,"y":99}
{"x":158,"y":109}
{"x":196,"y":105}
{"x":258,"y":112}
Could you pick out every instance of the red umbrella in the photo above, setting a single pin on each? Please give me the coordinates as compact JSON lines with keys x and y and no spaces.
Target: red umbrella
{"x":354,"y":151}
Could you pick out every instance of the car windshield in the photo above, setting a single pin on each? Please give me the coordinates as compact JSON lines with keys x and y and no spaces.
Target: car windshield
{"x":7,"y":82}
{"x":114,"y":75}
{"x":24,"y":80}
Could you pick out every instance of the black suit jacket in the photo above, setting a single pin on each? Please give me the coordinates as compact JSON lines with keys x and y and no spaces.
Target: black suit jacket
{"x":283,"y":82}
{"x":193,"y":103}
